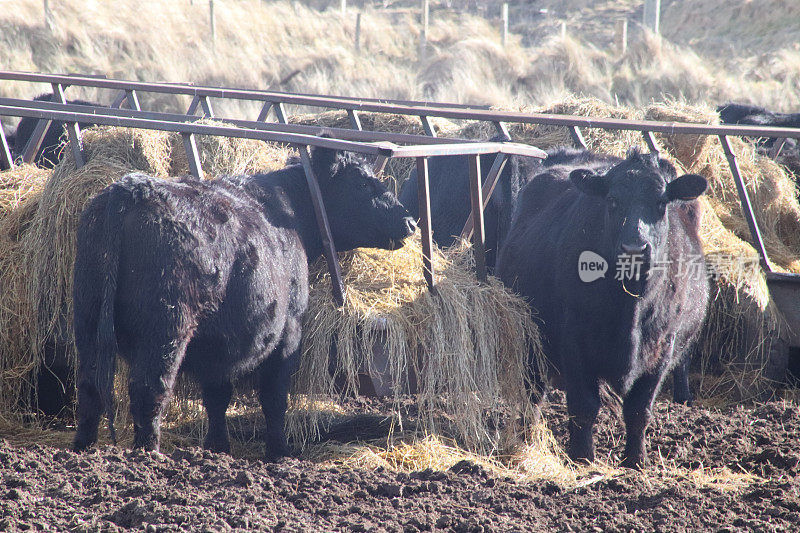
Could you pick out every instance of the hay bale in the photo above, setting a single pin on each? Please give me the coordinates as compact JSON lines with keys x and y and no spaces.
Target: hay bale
{"x":19,"y":184}
{"x":545,"y":136}
{"x":466,"y":345}
{"x":220,"y":156}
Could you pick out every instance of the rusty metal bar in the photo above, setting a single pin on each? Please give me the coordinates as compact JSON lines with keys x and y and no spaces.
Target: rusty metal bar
{"x":453,"y":147}
{"x":73,"y":130}
{"x":577,"y":136}
{"x":207,"y":109}
{"x":455,"y":111}
{"x":133,"y":100}
{"x":423,"y":197}
{"x":380,"y":164}
{"x":747,"y":207}
{"x":340,"y":133}
{"x":386,"y":149}
{"x":502,"y":129}
{"x":476,"y":199}
{"x":777,"y":147}
{"x":427,"y":126}
{"x":121,"y":97}
{"x":328,"y":248}
{"x":193,"y":106}
{"x":217,"y":92}
{"x":35,"y":142}
{"x":6,"y":161}
{"x":264,"y":113}
{"x":488,"y":186}
{"x":192,"y":155}
{"x":355,"y":121}
{"x":280,"y":113}
{"x":650,"y":140}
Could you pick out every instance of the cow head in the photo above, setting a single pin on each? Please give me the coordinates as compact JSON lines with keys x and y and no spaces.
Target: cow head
{"x":362,"y":212}
{"x":637,"y":193}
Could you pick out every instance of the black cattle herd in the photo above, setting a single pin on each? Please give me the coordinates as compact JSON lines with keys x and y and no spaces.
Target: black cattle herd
{"x":211,"y":277}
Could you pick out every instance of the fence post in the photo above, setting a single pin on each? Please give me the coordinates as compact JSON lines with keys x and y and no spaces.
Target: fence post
{"x":48,"y":15}
{"x":213,"y":23}
{"x":621,"y":37}
{"x":505,"y":24}
{"x":343,"y":6}
{"x":358,"y":32}
{"x":423,"y":39}
{"x":652,"y":14}
{"x":563,"y":30}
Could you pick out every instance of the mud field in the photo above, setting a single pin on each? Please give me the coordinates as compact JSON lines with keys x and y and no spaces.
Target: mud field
{"x":730,"y":470}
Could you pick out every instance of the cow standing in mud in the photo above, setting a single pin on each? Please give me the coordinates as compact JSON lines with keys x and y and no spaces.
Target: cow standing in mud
{"x":211,"y":278}
{"x":627,"y":330}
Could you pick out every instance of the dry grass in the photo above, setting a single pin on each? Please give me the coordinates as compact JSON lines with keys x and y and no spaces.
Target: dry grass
{"x":462,"y":349}
{"x":289,"y":46}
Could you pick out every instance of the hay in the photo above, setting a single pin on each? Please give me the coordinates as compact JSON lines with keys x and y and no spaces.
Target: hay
{"x":19,"y":184}
{"x":464,"y":346}
{"x":220,"y":156}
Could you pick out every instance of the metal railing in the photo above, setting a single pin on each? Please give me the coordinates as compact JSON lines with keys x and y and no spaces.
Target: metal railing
{"x":275,"y":101}
{"x":73,"y":115}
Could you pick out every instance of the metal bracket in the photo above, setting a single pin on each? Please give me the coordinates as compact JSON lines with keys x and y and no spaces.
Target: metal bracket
{"x":328,"y":248}
{"x":492,"y":178}
{"x":427,"y":126}
{"x":502,"y":130}
{"x":6,"y":161}
{"x":73,"y":130}
{"x":264,"y":113}
{"x":577,"y":136}
{"x":192,"y":155}
{"x":280,"y":113}
{"x":650,"y":140}
{"x":355,"y":121}
{"x":423,"y":198}
{"x":747,"y":207}
{"x":476,"y":199}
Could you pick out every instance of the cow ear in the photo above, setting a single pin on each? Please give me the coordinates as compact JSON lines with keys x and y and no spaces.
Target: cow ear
{"x":323,"y":161}
{"x":686,"y":187}
{"x":589,"y":182}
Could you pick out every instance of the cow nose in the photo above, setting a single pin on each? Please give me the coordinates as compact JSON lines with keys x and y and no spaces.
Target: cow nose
{"x":411,"y":225}
{"x":634,"y":249}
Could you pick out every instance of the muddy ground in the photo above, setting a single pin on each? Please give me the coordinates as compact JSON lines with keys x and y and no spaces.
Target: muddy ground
{"x":43,"y":487}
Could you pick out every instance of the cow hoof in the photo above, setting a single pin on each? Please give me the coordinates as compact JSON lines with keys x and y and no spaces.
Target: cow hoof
{"x":634,"y":463}
{"x":278,"y":455}
{"x":81,"y":444}
{"x":217,"y":446}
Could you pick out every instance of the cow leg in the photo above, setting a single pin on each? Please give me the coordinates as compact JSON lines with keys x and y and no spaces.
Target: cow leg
{"x":90,"y":409}
{"x":275,"y":374}
{"x":637,"y":409}
{"x":152,"y":378}
{"x":216,"y":398}
{"x":583,"y":404}
{"x":680,"y":382}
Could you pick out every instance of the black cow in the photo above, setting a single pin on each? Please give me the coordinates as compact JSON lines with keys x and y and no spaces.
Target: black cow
{"x":450,"y":198}
{"x":49,"y":152}
{"x":630,"y":331}
{"x":450,"y":208}
{"x":789,"y":155}
{"x":210,"y":278}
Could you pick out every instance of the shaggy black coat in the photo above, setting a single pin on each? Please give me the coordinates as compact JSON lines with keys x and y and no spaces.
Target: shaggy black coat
{"x":628,"y":333}
{"x":211,"y":278}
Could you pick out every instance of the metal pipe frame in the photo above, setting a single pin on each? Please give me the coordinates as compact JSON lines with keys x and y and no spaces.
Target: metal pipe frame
{"x":188,"y":127}
{"x":274,"y":100}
